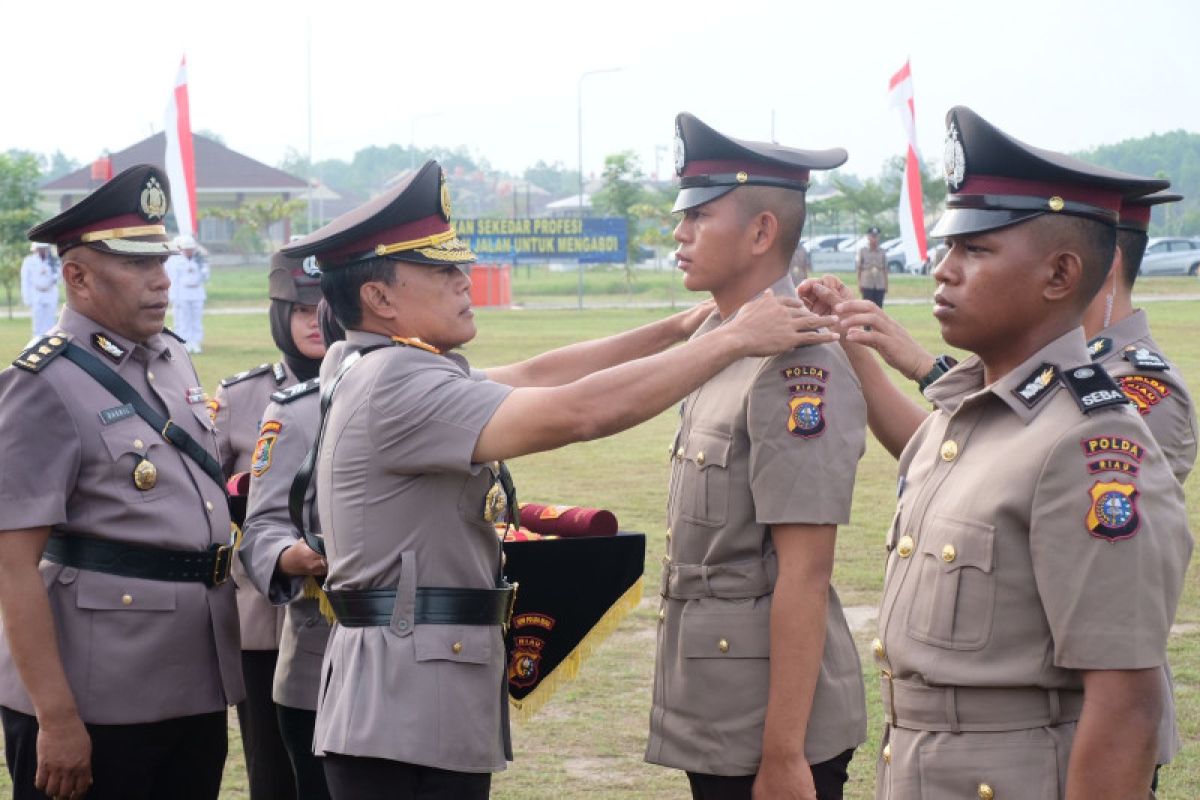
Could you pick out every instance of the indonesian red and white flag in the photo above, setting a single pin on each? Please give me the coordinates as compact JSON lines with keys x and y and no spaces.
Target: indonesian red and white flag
{"x":912,"y":208}
{"x":180,"y":158}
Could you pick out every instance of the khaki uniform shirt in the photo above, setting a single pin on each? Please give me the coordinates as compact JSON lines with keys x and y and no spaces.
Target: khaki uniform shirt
{"x":236,"y":412}
{"x":402,"y":506}
{"x":134,"y":650}
{"x":288,"y":431}
{"x":766,"y":441}
{"x":1129,"y":353}
{"x":1031,"y":542}
{"x":871,"y":266}
{"x":1154,"y":385}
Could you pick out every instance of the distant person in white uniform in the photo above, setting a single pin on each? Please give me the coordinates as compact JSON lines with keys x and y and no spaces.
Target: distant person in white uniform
{"x":39,"y":287}
{"x":188,"y":271}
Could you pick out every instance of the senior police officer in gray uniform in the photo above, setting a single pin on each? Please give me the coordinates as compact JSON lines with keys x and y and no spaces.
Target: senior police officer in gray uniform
{"x":757,"y":683}
{"x":409,"y":481}
{"x":285,"y":569}
{"x":1040,"y":541}
{"x":237,"y":411}
{"x":120,"y":647}
{"x":1121,"y":341}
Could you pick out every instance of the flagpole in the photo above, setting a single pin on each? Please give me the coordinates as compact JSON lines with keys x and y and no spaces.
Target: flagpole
{"x":308,"y":65}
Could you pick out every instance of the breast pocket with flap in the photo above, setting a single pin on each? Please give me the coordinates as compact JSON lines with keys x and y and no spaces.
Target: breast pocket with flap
{"x":954,"y":597}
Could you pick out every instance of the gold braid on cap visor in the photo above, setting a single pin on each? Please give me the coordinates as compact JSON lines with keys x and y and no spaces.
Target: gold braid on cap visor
{"x":121,"y":233}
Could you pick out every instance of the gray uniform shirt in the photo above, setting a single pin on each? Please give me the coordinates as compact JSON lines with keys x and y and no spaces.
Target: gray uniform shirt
{"x":401,"y":506}
{"x":134,"y":650}
{"x":236,"y":410}
{"x":766,"y":441}
{"x":1031,"y":542}
{"x":288,"y":431}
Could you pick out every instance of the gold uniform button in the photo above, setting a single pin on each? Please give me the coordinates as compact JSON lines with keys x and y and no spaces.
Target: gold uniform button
{"x":666,"y":560}
{"x":456,"y":647}
{"x":700,"y":458}
{"x":949,"y":553}
{"x":904,"y":547}
{"x":139,"y":444}
{"x":679,"y":453}
{"x":887,"y":753}
{"x":877,"y":648}
{"x":949,"y":450}
{"x":662,"y":614}
{"x":149,"y":375}
{"x":208,"y":505}
{"x":723,"y":646}
{"x":127,"y":599}
{"x":986,"y":792}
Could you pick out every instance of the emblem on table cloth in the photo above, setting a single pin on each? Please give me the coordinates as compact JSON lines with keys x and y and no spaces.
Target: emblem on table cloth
{"x":264,"y":447}
{"x":806,"y":416}
{"x":1144,"y":392}
{"x":525,"y":663}
{"x":1113,"y":514}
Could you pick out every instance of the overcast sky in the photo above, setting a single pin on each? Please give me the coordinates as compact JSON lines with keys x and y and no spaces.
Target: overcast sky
{"x":502,"y":78}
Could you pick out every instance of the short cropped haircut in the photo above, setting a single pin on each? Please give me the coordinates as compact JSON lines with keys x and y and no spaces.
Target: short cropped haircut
{"x":1133,"y":248}
{"x":341,"y":287}
{"x":788,"y":206}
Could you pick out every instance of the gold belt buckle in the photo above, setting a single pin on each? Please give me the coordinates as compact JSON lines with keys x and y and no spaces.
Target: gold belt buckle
{"x":221,"y":557}
{"x":512,"y":604}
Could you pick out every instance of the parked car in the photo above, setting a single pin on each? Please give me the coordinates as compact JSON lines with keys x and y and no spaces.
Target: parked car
{"x":827,"y":243}
{"x":1171,"y":256}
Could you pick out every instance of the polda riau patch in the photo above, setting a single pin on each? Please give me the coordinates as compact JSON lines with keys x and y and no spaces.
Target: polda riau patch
{"x":1113,"y":514}
{"x":1120,"y":445}
{"x":1144,"y":392}
{"x":804,"y":372}
{"x":265,"y":447}
{"x":806,"y":416}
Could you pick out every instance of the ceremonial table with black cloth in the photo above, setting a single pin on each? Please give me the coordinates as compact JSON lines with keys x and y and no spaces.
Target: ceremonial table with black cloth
{"x":573,"y":593}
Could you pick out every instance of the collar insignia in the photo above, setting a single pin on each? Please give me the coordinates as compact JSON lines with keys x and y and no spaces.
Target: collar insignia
{"x":107,"y":346}
{"x":1099,"y":346}
{"x":1037,"y":385}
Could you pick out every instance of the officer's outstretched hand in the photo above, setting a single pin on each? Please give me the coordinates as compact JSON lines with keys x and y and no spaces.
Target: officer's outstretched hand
{"x":300,"y":559}
{"x":64,"y":758}
{"x":769,"y":324}
{"x":691,"y":319}
{"x":864,"y":323}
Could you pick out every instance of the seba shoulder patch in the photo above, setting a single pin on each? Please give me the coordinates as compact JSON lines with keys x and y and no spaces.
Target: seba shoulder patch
{"x":1093,"y":388}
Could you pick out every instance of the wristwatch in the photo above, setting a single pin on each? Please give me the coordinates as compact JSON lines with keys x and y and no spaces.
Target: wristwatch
{"x":941,"y":365}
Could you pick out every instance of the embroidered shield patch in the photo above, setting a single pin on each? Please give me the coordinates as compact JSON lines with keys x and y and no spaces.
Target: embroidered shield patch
{"x":264,"y":447}
{"x":1113,"y":514}
{"x":806,"y":416}
{"x":1144,"y":392}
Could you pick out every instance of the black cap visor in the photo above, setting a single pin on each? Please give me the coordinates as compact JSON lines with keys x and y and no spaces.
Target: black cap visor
{"x":965,"y":221}
{"x":699,"y":195}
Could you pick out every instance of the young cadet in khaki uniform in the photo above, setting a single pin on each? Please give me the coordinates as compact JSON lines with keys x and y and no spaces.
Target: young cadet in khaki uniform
{"x":237,"y":411}
{"x":119,"y":654}
{"x":1122,"y":343}
{"x":278,"y":560}
{"x":413,"y":698}
{"x":870,"y":265}
{"x":1040,"y":540}
{"x":757,"y":676}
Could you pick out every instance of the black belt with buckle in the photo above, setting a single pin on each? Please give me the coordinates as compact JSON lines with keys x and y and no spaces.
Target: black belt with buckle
{"x":363,"y":608}
{"x":210,"y":567}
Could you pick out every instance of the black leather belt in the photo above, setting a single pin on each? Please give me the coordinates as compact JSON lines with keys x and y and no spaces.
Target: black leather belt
{"x":363,"y":608}
{"x":210,"y":567}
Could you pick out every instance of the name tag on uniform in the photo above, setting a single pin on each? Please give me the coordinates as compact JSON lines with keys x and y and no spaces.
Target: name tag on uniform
{"x":110,"y":415}
{"x":195,"y":394}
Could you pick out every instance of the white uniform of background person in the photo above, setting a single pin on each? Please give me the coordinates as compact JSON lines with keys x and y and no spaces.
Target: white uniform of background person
{"x":39,"y":287}
{"x":188,"y":273}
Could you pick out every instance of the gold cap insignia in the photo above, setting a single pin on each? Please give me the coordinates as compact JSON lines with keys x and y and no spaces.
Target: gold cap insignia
{"x":1055,"y":203}
{"x":742,"y":177}
{"x":153,"y":200}
{"x":445,"y":195}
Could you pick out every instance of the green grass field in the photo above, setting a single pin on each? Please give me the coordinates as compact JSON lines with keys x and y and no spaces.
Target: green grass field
{"x":588,"y":741}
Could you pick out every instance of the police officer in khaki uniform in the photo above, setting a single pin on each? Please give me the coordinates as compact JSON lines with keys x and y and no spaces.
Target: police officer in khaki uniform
{"x":413,"y":699}
{"x":1122,"y":343}
{"x":1040,"y":540}
{"x":283,"y":567}
{"x":237,"y":408}
{"x":119,"y":654}
{"x":870,"y":265}
{"x":757,"y":681}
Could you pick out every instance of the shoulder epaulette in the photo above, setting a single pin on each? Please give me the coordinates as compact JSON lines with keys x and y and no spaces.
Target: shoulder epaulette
{"x":296,"y":391}
{"x":1144,"y":358}
{"x":1093,"y":388}
{"x":37,"y":355}
{"x":1099,"y":346}
{"x":174,"y":335}
{"x":279,"y":372}
{"x":261,"y":369}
